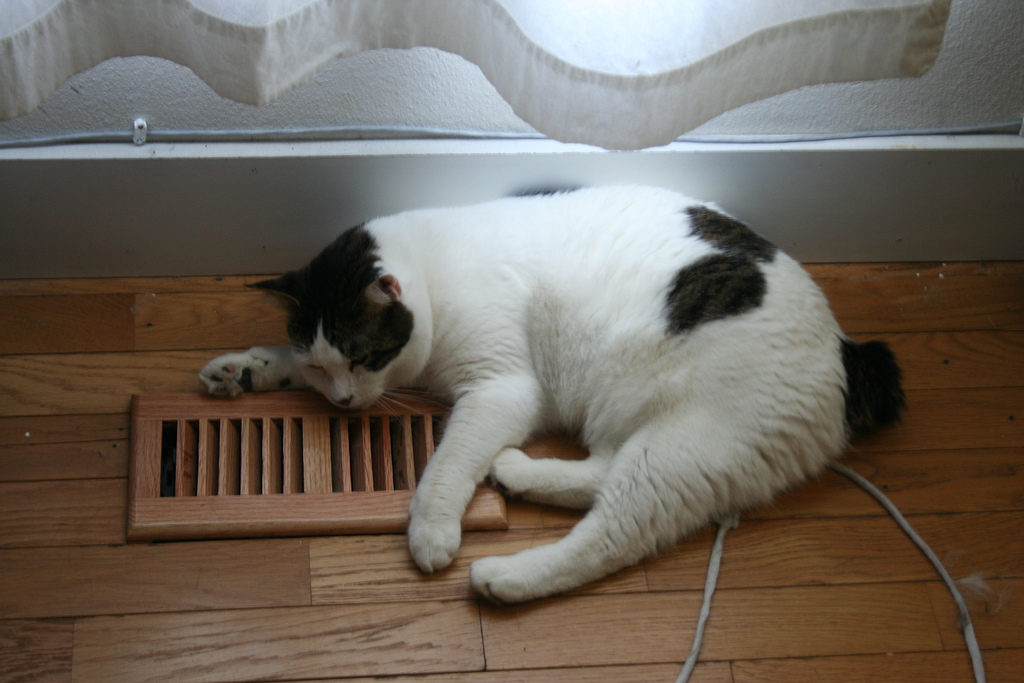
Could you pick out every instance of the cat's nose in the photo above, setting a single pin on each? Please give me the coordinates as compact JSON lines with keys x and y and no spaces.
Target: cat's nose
{"x":343,"y":401}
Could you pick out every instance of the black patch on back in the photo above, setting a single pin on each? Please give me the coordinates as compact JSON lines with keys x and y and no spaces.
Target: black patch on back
{"x":729,"y":235}
{"x":722,"y":284}
{"x":874,"y":397}
{"x":715,"y":287}
{"x":331,"y":290}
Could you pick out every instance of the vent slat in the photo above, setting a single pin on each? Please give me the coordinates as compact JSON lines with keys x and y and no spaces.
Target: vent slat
{"x":147,"y":437}
{"x":229,"y":461}
{"x":316,"y":454}
{"x":206,"y":470}
{"x":422,"y":443}
{"x":380,"y":455}
{"x":291,"y":456}
{"x":341,"y":464}
{"x":279,"y":464}
{"x":250,"y":482}
{"x":403,"y":455}
{"x":271,"y":456}
{"x":185,"y":461}
{"x":360,"y":452}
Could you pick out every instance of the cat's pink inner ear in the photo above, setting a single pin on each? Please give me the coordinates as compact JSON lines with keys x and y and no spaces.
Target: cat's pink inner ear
{"x":384,"y":290}
{"x":390,"y":285}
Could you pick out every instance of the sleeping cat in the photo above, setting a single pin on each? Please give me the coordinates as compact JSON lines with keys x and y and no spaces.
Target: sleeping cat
{"x":700,"y":365}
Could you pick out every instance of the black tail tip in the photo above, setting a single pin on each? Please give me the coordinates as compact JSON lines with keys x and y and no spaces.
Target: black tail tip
{"x":874,"y":396}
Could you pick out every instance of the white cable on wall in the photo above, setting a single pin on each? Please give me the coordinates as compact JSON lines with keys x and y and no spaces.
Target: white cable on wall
{"x":333,"y":133}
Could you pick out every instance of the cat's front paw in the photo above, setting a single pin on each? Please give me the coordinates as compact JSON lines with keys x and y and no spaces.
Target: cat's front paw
{"x":233,"y":373}
{"x":434,"y":543}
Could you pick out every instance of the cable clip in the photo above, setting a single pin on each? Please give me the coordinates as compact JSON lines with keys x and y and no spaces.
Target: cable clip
{"x":139,"y":130}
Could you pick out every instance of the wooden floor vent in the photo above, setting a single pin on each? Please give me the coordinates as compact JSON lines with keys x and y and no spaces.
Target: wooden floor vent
{"x":281,"y":464}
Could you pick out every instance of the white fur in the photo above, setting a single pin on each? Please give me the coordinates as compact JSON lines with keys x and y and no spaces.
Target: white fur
{"x":549,"y":312}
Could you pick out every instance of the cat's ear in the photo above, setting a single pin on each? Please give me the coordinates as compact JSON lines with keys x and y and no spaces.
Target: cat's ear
{"x":384,"y":290}
{"x":288,"y":286}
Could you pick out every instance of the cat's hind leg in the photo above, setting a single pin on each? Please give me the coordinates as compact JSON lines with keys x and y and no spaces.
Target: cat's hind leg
{"x":261,"y":368}
{"x":649,"y":499}
{"x":550,"y":481}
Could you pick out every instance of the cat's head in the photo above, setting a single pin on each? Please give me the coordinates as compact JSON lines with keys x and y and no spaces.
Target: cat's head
{"x":347,"y":321}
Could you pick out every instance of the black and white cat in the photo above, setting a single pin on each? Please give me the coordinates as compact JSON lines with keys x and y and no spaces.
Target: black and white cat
{"x":700,"y":365}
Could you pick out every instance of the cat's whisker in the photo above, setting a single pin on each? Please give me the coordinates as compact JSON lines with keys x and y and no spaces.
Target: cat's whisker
{"x":416,"y":397}
{"x":389,"y":399}
{"x":382,"y":403}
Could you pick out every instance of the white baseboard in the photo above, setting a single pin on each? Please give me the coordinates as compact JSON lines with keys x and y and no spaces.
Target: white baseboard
{"x":233,"y":208}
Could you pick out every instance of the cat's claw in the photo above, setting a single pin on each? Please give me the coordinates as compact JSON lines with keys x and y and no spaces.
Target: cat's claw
{"x":434,"y":543}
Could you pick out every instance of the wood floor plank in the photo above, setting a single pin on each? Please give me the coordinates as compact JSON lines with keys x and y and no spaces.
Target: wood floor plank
{"x":811,"y":621}
{"x":524,"y":515}
{"x":208,"y":320}
{"x":58,"y":324}
{"x":1004,"y":665}
{"x":745,"y":624}
{"x":35,"y":650}
{"x":934,"y":667}
{"x":922,"y":297}
{"x":126,"y":285}
{"x":288,"y":643}
{"x":45,"y":429}
{"x":711,"y":672}
{"x":82,"y":460}
{"x":53,"y":513}
{"x":848,"y":550}
{"x":94,"y":382}
{"x":915,"y":270}
{"x":379,"y":569}
{"x":916,"y":481}
{"x":955,"y":418}
{"x":948,"y":360}
{"x":997,"y":613}
{"x":77,"y":581}
{"x":982,"y":544}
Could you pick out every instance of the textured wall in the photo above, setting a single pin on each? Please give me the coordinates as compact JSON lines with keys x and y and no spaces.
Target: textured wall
{"x":978,"y":79}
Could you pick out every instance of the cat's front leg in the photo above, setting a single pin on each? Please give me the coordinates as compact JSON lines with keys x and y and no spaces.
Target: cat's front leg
{"x":261,"y":368}
{"x":495,"y":415}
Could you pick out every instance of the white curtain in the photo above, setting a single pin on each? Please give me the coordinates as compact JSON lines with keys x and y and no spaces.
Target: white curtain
{"x":622,"y":74}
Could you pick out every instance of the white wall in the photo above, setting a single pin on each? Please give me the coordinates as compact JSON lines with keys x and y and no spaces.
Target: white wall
{"x":978,"y":79}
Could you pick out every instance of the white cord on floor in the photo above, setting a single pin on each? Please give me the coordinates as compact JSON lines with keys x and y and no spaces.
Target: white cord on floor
{"x":716,"y":560}
{"x":709,"y":589}
{"x":966,"y":625}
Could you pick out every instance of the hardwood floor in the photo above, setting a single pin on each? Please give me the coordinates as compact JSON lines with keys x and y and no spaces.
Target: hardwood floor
{"x":820,"y":586}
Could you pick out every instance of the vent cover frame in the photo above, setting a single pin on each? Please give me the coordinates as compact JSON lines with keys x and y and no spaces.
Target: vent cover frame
{"x":280,"y":464}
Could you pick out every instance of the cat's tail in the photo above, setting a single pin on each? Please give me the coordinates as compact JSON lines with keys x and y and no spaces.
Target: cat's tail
{"x":874,"y":397}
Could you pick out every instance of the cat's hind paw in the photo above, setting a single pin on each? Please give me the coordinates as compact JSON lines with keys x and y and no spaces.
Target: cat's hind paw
{"x":254,"y":370}
{"x":502,"y":580}
{"x":510,"y":472}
